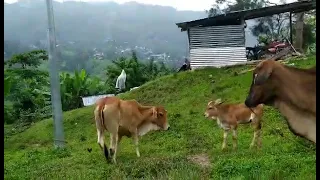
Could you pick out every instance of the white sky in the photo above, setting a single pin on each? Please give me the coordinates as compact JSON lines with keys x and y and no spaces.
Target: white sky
{"x":195,"y":5}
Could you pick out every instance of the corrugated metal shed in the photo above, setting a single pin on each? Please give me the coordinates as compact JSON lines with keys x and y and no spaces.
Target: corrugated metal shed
{"x":216,"y":46}
{"x":90,"y":100}
{"x":220,"y":40}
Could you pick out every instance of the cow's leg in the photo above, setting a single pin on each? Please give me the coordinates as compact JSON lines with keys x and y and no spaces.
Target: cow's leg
{"x":111,"y":145}
{"x":118,"y":142}
{"x":100,"y":133}
{"x":225,"y":136}
{"x":253,"y":139}
{"x":136,"y":143}
{"x":100,"y":141}
{"x":135,"y":137}
{"x":234,"y":138}
{"x":256,"y":134}
{"x":114,"y":146}
{"x":258,"y":129}
{"x":111,"y":123}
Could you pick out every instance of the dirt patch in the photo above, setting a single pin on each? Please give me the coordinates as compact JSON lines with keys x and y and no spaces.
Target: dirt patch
{"x":200,"y":159}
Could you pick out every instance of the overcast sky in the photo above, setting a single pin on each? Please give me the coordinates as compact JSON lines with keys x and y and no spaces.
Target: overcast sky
{"x":195,"y":5}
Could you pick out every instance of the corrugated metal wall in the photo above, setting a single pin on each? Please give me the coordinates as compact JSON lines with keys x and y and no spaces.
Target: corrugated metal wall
{"x":217,"y":46}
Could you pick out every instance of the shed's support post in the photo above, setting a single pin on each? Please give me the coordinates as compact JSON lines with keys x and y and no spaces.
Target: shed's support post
{"x":291,"y":40}
{"x":299,"y":32}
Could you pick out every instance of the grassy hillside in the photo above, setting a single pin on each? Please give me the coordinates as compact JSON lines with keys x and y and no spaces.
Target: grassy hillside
{"x":190,"y":150}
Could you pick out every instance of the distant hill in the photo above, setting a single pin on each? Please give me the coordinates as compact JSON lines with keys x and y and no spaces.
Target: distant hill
{"x":100,"y":25}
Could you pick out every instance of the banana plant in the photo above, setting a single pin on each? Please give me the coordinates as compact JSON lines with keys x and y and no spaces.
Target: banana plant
{"x":79,"y":82}
{"x":75,"y":86}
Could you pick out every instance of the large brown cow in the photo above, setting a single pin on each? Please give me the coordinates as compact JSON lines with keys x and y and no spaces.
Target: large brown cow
{"x":228,"y":117}
{"x":126,"y":118}
{"x":289,"y":89}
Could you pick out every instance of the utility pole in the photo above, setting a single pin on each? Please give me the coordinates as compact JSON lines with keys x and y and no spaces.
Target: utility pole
{"x":54,"y":80}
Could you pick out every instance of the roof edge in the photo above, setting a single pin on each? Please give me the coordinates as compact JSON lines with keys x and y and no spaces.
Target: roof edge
{"x":295,"y":7}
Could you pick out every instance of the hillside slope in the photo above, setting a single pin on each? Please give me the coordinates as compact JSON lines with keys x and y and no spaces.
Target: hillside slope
{"x":180,"y":153}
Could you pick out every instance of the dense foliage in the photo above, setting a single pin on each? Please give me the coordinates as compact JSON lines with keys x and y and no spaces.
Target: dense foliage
{"x":27,"y":87}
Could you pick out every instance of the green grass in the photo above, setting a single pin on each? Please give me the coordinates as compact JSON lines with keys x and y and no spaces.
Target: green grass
{"x":166,"y":155}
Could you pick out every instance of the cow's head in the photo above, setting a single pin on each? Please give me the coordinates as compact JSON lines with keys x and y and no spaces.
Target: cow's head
{"x":262,"y":90}
{"x":160,"y":117}
{"x":212,"y":110}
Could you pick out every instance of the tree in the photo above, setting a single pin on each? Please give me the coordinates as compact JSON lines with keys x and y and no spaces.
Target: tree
{"x":26,"y":87}
{"x":28,"y":59}
{"x":238,"y":5}
{"x":272,"y":27}
{"x":309,"y":30}
{"x":7,"y":85}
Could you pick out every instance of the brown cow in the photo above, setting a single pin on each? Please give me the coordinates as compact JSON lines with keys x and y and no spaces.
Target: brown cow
{"x":126,"y":118}
{"x":228,"y":117}
{"x":289,"y":89}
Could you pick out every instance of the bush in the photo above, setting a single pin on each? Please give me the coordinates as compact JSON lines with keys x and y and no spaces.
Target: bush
{"x":9,"y":115}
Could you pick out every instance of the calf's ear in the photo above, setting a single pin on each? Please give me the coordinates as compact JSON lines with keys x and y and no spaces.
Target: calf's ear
{"x":218,"y":101}
{"x":154,"y":112}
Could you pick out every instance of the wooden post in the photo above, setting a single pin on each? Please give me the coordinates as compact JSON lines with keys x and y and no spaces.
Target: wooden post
{"x":244,"y":24}
{"x":188,"y":34}
{"x":291,"y":40}
{"x":299,"y":32}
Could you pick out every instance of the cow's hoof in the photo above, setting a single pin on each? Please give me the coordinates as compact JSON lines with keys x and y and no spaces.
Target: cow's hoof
{"x":106,"y":153}
{"x":114,"y":161}
{"x":111,"y":152}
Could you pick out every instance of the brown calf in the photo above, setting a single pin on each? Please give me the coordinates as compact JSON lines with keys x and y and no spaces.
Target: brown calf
{"x":126,"y":118}
{"x":228,"y":117}
{"x":289,"y":89}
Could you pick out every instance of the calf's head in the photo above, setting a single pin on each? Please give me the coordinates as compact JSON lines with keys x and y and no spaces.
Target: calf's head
{"x":212,"y":110}
{"x":159,"y":117}
{"x":262,"y":90}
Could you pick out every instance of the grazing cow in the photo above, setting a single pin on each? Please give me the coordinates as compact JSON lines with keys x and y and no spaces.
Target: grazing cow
{"x":289,"y":89}
{"x":228,"y":117}
{"x":126,"y":118}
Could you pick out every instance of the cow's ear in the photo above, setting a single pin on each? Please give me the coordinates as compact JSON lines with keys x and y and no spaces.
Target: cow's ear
{"x":262,"y":73}
{"x":218,"y":101}
{"x":261,"y":77}
{"x":154,"y":112}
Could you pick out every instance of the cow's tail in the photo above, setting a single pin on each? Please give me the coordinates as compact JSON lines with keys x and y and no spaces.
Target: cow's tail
{"x":103,"y":127}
